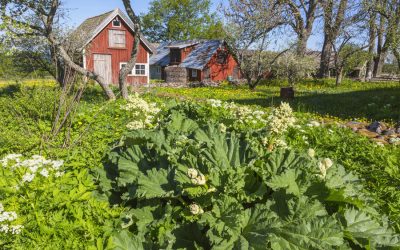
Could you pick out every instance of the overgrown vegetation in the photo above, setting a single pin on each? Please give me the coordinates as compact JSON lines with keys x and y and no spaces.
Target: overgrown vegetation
{"x":212,"y":164}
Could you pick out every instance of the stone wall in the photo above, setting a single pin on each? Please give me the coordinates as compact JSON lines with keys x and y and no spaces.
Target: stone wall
{"x":175,"y":74}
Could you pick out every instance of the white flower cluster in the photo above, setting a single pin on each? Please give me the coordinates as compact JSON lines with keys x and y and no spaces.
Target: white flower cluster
{"x":242,"y":114}
{"x":5,"y":219}
{"x":196,"y":177}
{"x":195,"y":209}
{"x":36,"y":165}
{"x":313,"y":124}
{"x":281,"y":119}
{"x":142,"y":111}
{"x":324,"y":165}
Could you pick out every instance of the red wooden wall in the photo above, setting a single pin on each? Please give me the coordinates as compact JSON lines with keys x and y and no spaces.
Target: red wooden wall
{"x":99,"y":45}
{"x":220,"y":72}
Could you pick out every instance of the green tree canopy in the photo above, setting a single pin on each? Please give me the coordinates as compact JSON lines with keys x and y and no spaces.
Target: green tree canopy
{"x":181,"y":20}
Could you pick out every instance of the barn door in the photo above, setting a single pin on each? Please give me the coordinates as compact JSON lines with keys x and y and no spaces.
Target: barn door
{"x":102,"y":67}
{"x":207,"y":75}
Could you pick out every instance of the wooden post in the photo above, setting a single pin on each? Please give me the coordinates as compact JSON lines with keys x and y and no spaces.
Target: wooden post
{"x":287,"y":92}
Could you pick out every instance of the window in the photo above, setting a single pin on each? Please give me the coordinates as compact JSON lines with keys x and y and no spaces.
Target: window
{"x":140,"y":69}
{"x":116,"y":22}
{"x":175,"y":56}
{"x":158,"y":69}
{"x":222,"y":57}
{"x":194,"y":72}
{"x":117,"y":39}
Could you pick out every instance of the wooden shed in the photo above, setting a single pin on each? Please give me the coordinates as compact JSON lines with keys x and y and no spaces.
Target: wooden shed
{"x":204,"y":60}
{"x":107,"y":42}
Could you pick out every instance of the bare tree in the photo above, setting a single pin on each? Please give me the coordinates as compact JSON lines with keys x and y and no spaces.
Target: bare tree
{"x":301,"y":16}
{"x":33,"y":19}
{"x":250,"y":24}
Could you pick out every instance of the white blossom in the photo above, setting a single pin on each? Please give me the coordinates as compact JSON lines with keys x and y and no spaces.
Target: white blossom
{"x":28,"y":177}
{"x":222,"y":128}
{"x":44,"y":172}
{"x":311,"y":152}
{"x":192,"y":173}
{"x":16,"y":229}
{"x":281,"y":119}
{"x":195,"y":209}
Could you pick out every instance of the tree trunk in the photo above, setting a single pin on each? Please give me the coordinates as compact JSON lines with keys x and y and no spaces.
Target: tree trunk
{"x":132,"y":61}
{"x":325,"y":58}
{"x":379,"y":60}
{"x":339,"y":76}
{"x":68,"y":61}
{"x":302,"y":44}
{"x":371,"y":47}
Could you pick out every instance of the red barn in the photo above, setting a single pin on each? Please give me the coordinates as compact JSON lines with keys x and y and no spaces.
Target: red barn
{"x":107,"y":42}
{"x":204,"y":60}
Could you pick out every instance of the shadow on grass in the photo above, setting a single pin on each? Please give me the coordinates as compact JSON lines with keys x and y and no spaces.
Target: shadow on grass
{"x":373,"y":104}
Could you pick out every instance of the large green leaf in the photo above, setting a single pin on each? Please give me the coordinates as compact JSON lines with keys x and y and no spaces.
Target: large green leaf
{"x":364,"y":230}
{"x":124,"y":240}
{"x":155,"y":184}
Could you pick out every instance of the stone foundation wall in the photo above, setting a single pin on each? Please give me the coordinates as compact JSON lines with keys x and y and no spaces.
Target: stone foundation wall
{"x":175,"y":74}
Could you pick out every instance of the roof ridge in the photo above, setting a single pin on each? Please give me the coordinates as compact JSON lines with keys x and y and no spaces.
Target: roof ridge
{"x":109,"y":12}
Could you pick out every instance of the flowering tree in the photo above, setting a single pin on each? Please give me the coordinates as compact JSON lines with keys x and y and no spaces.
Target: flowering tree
{"x":250,"y":25}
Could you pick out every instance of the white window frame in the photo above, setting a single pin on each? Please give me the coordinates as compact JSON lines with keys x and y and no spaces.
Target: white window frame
{"x":133,"y":72}
{"x":116,"y":19}
{"x":193,"y":73}
{"x":145,"y":69}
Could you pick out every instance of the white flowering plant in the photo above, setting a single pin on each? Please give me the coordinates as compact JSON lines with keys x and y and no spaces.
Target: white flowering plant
{"x":190,"y":184}
{"x":143,"y":113}
{"x":40,"y":200}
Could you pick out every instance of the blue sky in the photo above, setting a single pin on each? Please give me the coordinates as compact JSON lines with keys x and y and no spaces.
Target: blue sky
{"x":79,"y":10}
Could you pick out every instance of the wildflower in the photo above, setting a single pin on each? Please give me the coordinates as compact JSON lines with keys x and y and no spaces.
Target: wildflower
{"x":222,"y":128}
{"x":57,"y":164}
{"x":311,"y":152}
{"x":44,"y":173}
{"x":16,"y":229}
{"x":4,"y":228}
{"x":323,"y":166}
{"x":281,"y":119}
{"x":135,"y":125}
{"x":214,"y":103}
{"x":211,"y":190}
{"x":28,"y":177}
{"x":314,"y":124}
{"x":10,"y":157}
{"x":59,"y":174}
{"x":195,"y":209}
{"x":264,"y":141}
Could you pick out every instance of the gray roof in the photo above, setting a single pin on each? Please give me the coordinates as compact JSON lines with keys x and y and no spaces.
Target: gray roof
{"x":91,"y":27}
{"x":197,"y":59}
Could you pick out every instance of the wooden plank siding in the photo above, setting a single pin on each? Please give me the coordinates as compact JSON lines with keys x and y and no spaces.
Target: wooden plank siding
{"x":100,"y":45}
{"x":220,"y":72}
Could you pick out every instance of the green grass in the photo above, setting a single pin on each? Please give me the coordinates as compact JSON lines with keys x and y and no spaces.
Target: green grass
{"x":352,"y":100}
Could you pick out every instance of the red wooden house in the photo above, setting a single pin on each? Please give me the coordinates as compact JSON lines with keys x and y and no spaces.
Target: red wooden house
{"x":204,"y":60}
{"x":106,"y":42}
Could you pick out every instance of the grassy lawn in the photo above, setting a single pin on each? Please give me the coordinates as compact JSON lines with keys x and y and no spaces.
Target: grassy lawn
{"x":371,"y":101}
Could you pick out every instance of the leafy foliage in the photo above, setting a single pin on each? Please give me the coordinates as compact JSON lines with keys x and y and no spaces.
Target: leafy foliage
{"x":251,"y":198}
